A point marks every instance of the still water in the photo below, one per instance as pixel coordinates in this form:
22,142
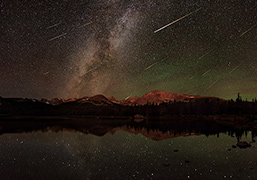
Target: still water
125,151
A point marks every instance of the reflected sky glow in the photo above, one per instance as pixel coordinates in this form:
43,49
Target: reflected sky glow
74,155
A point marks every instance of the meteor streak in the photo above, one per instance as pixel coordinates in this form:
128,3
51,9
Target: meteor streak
253,67
57,37
94,68
234,68
150,66
247,30
128,97
54,25
176,21
86,24
212,85
230,87
192,77
206,54
206,72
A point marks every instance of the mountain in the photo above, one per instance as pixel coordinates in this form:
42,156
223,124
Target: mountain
155,103
157,97
98,100
57,101
153,97
112,99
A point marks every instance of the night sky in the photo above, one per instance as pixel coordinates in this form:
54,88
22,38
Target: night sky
64,48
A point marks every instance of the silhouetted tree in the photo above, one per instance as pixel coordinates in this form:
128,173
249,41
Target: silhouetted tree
239,98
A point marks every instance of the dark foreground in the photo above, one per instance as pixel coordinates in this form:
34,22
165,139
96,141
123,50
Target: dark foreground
95,148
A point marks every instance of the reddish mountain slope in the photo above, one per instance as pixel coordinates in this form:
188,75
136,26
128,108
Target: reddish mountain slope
153,97
96,100
156,97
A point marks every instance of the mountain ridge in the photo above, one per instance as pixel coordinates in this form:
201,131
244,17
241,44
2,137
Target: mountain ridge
158,97
154,103
152,97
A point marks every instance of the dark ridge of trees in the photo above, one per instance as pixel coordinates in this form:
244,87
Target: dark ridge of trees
201,106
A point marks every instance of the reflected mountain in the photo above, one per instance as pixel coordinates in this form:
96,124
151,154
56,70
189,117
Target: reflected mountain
152,129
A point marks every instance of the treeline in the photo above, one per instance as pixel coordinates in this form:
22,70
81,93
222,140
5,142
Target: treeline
201,106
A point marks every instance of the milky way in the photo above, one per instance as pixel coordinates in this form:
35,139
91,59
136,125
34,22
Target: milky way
101,64
80,48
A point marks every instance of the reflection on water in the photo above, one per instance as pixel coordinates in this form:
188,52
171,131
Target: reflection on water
123,149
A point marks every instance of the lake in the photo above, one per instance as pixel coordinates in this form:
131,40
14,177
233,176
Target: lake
124,149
